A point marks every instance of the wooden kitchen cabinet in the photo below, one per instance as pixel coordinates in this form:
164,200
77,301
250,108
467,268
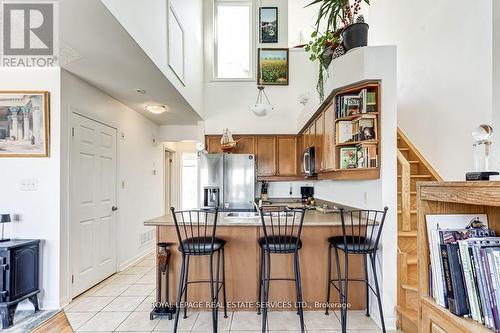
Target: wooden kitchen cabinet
328,154
213,144
265,153
287,155
246,144
318,141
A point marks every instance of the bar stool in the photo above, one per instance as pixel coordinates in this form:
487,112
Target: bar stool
196,233
361,230
282,228
162,307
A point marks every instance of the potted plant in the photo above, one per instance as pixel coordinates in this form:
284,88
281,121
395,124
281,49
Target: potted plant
344,15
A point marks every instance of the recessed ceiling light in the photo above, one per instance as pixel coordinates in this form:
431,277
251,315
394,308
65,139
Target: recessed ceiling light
140,91
157,109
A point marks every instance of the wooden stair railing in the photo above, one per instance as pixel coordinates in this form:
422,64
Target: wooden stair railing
412,168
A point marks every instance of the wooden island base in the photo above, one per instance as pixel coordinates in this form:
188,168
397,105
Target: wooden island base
242,270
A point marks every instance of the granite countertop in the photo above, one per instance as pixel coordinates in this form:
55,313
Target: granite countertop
311,218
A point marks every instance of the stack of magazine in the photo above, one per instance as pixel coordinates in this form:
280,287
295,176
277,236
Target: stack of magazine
465,266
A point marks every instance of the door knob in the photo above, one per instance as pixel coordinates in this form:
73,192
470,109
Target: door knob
114,208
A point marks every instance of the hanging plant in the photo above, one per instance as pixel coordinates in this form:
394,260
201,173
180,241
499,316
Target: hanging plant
322,48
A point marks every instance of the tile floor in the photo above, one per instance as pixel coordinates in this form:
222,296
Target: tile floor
122,303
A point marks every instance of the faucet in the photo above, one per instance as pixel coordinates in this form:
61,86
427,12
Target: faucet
257,207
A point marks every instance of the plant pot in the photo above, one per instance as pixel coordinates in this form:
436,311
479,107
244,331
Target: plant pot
326,57
355,35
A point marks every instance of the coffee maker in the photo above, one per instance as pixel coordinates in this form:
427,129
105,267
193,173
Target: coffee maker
306,192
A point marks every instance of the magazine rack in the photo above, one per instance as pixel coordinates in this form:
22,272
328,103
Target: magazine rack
450,198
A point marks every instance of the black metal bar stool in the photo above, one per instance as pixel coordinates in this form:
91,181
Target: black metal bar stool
361,230
196,233
163,307
282,229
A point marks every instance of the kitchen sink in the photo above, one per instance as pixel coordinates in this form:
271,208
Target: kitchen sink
242,215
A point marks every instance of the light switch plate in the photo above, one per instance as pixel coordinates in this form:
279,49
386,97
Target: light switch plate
29,184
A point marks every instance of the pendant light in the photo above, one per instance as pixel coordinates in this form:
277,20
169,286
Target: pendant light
261,106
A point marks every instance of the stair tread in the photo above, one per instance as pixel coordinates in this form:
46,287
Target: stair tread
404,149
418,176
407,233
412,260
413,211
411,192
409,287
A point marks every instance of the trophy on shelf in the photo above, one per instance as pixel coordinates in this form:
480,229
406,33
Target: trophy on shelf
481,149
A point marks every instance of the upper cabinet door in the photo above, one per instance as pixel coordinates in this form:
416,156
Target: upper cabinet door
318,141
329,138
246,145
265,151
213,144
287,156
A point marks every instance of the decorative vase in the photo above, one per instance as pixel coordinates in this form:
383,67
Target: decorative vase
355,35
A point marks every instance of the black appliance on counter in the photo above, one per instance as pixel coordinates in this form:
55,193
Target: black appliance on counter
306,192
19,267
308,160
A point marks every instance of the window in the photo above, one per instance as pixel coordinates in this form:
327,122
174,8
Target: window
233,40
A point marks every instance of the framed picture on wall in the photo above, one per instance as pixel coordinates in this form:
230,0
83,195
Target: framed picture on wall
24,124
268,24
273,67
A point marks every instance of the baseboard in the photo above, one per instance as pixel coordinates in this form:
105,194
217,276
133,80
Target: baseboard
389,320
132,261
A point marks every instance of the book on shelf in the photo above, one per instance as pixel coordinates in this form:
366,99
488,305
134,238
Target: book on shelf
344,131
360,156
465,266
352,104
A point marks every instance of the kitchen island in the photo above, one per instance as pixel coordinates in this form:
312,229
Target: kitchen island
242,264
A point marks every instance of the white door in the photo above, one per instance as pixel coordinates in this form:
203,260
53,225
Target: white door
93,203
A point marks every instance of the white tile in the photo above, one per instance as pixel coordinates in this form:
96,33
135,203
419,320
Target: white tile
357,320
204,322
125,279
90,304
77,319
138,321
139,290
186,325
123,303
246,321
111,290
147,279
146,263
136,270
147,304
317,320
283,320
104,321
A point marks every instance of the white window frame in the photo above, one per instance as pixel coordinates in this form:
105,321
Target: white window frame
252,48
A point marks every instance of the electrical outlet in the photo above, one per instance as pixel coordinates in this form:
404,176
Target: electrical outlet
122,135
123,184
29,184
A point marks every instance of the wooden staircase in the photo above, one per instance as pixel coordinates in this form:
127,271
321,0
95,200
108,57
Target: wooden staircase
412,168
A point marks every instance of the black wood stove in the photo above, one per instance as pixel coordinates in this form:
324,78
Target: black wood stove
19,267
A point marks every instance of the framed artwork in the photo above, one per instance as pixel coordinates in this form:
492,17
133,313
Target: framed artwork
24,124
175,44
273,67
268,24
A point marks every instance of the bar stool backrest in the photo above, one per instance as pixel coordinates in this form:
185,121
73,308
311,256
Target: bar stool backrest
196,225
283,227
361,229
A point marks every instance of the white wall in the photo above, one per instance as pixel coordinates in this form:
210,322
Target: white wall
444,74
39,210
142,197
282,189
182,133
146,22
496,83
227,103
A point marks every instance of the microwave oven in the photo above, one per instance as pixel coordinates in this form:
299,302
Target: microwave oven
308,163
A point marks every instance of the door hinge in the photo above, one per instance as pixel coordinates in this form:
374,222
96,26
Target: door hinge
72,278
72,131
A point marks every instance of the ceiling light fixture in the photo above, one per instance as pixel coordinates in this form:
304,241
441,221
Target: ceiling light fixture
261,107
140,91
156,109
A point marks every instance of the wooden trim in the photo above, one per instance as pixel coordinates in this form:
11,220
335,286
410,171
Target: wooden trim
405,192
56,324
420,156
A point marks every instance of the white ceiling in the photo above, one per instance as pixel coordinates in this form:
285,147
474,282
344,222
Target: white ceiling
95,47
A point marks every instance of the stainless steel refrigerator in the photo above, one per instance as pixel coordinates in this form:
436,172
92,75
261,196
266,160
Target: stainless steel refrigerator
227,181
